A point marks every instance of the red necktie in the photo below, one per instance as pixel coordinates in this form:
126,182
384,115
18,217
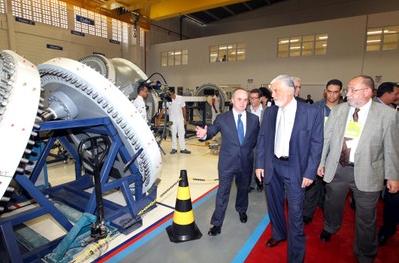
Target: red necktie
345,152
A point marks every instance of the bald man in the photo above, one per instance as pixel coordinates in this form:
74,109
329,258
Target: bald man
361,149
239,130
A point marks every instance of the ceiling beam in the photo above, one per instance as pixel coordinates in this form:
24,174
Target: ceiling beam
247,6
229,10
171,8
215,17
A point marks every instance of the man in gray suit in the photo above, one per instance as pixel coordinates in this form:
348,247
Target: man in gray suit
361,149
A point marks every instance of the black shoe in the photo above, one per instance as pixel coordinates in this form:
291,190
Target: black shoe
251,189
214,231
243,217
325,236
259,188
173,151
307,220
272,242
185,151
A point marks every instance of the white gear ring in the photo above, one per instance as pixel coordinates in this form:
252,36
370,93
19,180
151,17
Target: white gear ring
19,103
96,96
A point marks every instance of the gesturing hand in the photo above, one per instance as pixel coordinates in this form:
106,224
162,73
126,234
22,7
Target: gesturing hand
201,132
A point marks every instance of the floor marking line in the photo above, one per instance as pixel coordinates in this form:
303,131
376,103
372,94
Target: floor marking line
130,245
251,241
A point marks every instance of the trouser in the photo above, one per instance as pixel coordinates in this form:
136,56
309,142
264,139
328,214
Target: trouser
242,181
254,180
284,184
365,244
177,128
391,213
314,196
214,114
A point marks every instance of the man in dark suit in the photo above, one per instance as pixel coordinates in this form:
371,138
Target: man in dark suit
287,156
239,130
388,94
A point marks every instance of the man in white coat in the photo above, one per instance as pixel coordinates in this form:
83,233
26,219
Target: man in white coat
177,115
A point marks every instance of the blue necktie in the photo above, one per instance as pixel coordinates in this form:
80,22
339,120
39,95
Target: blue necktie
240,129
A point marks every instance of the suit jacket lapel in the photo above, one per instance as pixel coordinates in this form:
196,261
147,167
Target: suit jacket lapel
232,124
248,125
299,115
273,117
368,126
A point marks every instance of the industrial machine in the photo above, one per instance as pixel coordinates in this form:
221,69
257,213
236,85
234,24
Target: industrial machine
125,75
79,106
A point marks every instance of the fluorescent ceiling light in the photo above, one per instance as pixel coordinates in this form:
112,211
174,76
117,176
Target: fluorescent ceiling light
323,37
376,32
284,42
374,41
295,47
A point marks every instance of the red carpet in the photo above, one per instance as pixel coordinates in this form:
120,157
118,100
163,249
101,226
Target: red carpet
339,249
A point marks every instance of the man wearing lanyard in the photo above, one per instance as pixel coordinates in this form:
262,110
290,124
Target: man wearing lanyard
314,194
361,149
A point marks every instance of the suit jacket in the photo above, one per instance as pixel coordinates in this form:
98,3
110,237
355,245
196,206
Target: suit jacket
306,141
377,153
232,155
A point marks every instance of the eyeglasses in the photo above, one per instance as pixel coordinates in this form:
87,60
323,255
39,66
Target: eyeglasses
353,90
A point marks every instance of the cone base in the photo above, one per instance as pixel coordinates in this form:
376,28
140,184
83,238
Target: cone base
195,234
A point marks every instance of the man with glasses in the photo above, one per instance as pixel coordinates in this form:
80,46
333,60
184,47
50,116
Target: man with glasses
314,194
361,149
256,108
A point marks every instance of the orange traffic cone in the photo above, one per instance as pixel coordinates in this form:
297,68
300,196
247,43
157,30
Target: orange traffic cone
183,227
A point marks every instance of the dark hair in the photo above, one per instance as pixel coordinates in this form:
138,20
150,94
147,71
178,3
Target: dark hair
257,91
172,90
367,81
141,88
265,93
336,82
385,87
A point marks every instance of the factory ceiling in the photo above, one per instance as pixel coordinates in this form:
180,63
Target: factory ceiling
205,11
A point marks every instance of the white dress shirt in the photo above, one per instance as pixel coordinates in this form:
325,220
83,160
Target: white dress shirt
352,144
257,112
175,108
140,105
243,119
284,124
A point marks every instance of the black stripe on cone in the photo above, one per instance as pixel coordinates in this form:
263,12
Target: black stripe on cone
181,233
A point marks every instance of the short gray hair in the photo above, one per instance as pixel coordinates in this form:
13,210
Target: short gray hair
296,79
286,80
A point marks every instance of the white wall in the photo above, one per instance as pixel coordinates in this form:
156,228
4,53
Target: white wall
291,12
345,57
30,41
